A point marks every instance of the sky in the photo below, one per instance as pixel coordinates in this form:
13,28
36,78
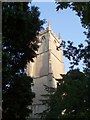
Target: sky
63,22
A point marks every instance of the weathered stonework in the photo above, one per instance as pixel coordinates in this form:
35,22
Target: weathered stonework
47,66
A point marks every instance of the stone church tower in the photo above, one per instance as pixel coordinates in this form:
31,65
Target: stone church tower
48,65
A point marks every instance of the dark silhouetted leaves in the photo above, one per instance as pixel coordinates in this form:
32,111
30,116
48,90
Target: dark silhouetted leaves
21,26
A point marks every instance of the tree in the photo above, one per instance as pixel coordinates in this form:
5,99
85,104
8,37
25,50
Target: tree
48,102
21,25
76,54
73,92
82,9
71,100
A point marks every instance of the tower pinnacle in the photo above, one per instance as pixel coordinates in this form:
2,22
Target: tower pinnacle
48,24
59,36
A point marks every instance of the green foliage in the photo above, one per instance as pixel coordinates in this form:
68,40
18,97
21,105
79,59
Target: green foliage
47,100
75,54
17,97
82,9
21,25
70,100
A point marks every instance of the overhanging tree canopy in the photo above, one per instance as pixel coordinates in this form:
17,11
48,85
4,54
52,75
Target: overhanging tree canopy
21,25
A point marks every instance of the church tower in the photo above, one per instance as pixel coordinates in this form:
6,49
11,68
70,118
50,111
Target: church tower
47,66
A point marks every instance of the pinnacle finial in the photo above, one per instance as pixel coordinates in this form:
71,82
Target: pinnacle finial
59,36
49,24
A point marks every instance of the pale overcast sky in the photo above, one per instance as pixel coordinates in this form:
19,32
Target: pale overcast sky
64,22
